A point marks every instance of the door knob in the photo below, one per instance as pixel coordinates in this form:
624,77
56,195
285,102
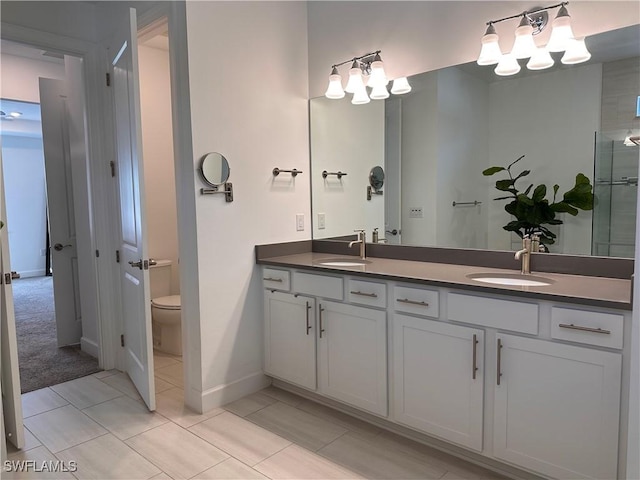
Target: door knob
58,246
136,264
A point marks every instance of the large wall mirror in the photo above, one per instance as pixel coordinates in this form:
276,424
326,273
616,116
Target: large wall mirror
435,142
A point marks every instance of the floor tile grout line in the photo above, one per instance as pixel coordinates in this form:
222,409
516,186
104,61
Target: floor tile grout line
223,460
230,455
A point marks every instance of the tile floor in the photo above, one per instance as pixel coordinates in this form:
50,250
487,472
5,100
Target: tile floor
100,423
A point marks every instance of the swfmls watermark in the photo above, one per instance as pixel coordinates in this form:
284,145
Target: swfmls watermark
52,466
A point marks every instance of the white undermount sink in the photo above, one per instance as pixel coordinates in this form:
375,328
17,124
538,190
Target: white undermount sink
516,279
342,262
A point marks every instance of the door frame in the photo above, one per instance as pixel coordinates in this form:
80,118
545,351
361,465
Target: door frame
104,236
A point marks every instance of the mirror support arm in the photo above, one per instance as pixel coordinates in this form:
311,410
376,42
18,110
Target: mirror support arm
371,192
227,192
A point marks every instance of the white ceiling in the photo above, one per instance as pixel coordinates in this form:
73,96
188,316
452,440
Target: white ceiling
20,50
27,125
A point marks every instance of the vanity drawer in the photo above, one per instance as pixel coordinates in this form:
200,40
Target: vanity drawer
318,285
416,300
490,312
367,293
276,279
593,328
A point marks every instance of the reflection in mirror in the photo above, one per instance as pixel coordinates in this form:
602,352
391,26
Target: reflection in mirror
435,142
214,169
376,178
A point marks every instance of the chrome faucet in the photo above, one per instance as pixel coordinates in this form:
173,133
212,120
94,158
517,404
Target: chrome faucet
525,253
361,240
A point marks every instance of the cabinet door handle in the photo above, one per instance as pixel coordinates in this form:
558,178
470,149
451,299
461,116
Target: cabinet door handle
412,302
308,324
571,326
372,295
475,353
320,310
269,279
499,355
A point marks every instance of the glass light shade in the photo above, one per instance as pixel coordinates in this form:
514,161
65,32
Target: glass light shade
400,86
630,140
490,53
379,92
540,59
576,52
561,33
378,77
355,80
334,90
360,96
524,46
508,65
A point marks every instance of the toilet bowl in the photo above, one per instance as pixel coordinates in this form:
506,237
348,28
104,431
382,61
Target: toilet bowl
166,324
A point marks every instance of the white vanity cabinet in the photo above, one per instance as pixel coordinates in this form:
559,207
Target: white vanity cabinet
528,382
438,379
352,355
556,408
289,332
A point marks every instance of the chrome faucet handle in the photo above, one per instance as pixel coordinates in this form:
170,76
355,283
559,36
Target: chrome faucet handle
361,233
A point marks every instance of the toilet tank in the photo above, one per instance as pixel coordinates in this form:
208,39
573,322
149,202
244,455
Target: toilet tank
160,277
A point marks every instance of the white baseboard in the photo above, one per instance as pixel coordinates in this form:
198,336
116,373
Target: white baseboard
32,273
90,347
218,396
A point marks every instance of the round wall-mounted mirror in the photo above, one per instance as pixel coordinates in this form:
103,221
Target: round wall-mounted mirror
214,169
376,178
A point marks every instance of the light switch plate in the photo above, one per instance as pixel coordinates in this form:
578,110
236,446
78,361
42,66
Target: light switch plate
321,221
300,222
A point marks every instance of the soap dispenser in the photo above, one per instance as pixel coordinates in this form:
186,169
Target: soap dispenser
374,237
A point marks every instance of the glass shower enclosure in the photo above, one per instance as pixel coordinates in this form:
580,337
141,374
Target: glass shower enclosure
615,190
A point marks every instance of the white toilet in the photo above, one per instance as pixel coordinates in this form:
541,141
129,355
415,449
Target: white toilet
165,310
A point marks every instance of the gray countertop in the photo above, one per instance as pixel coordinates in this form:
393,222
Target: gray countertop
585,290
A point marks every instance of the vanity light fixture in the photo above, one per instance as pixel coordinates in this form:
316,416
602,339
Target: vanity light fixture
400,86
335,90
366,71
532,22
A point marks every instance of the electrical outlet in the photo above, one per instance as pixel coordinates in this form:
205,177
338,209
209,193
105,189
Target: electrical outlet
415,212
321,221
300,222
43,252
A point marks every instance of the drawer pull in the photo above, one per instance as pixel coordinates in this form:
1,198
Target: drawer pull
372,295
269,279
413,302
474,367
571,326
320,310
499,358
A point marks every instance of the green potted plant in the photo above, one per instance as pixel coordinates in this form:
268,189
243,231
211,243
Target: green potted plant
532,210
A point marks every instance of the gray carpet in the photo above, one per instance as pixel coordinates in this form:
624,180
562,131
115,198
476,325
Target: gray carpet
41,362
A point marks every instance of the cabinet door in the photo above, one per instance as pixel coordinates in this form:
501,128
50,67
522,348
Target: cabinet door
438,379
352,360
557,408
290,343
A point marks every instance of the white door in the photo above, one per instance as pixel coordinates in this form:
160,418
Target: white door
352,360
290,342
10,379
64,256
557,408
134,260
438,379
